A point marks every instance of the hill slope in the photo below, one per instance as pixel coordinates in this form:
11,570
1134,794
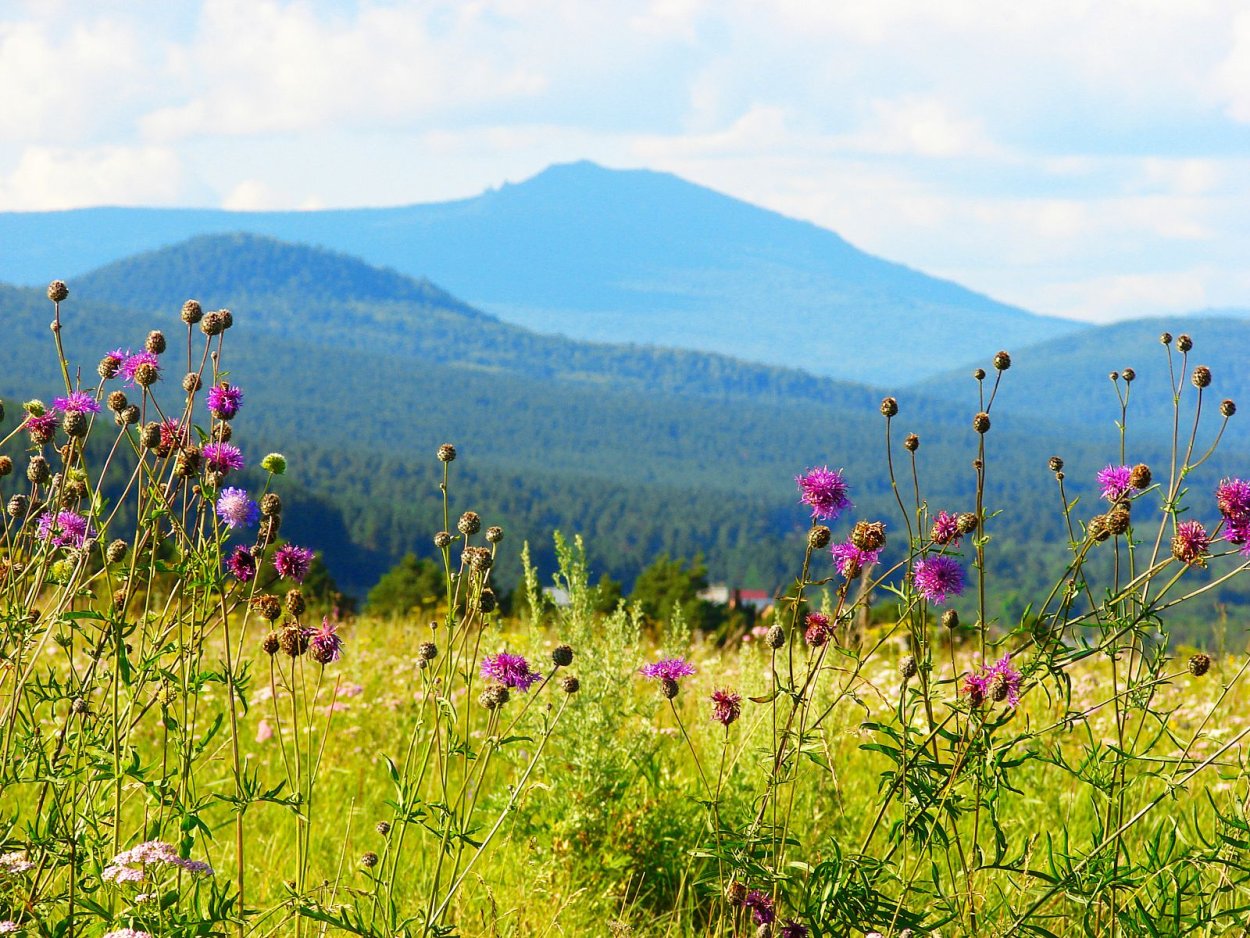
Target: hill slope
608,255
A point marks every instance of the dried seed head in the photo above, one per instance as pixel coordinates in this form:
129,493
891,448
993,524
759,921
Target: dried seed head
487,602
1201,377
80,707
494,697
271,504
907,667
1098,529
1166,338
819,537
570,684
494,534
191,382
74,423
6,465
868,535
128,417
155,342
736,893
369,860
1129,375
1184,343
669,688
1227,408
950,619
294,601
981,422
889,407
270,643
1002,361
1114,376
383,828
192,312
562,655
1139,477
911,442
119,598
267,606
967,522
1056,464
37,470
292,639
146,375
979,374
188,462
108,367
212,323
222,432
117,402
470,523
446,453
17,506
267,530
1199,664
116,551
57,291
478,559
1118,521
442,539
776,637
427,651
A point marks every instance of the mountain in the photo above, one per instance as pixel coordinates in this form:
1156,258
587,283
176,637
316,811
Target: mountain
607,255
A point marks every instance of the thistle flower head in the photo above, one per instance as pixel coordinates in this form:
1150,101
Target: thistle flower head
1191,543
1116,482
292,562
999,681
761,906
64,529
235,509
325,644
132,362
41,427
242,564
851,560
1232,496
818,629
938,578
224,400
727,706
945,530
670,669
825,491
222,457
78,402
510,671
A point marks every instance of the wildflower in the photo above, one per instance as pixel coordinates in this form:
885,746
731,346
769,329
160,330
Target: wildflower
9,927
818,629
1191,543
793,929
825,491
64,529
761,906
562,655
325,643
670,669
76,402
264,732
15,862
1199,664
126,933
937,578
945,530
41,427
1232,496
132,866
234,508
510,671
173,435
851,560
274,463
132,363
292,562
1237,531
224,400
242,564
1000,681
1116,482
728,706
222,457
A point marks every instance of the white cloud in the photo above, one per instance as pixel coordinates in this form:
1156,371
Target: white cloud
57,177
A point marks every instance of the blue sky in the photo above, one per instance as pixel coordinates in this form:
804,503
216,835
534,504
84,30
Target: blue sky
1086,158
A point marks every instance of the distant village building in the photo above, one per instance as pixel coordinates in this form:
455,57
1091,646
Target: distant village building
723,595
557,597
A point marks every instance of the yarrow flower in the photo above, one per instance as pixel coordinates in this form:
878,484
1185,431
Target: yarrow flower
222,457
132,362
224,400
727,706
1000,681
938,578
64,529
15,862
324,643
126,933
818,629
9,927
510,670
292,562
134,865
242,564
761,906
235,509
851,560
1191,543
78,402
42,427
1115,482
669,669
945,531
825,491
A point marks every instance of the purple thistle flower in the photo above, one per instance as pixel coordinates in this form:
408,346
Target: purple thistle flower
937,578
818,629
64,529
510,671
825,491
131,362
222,457
1233,498
325,644
669,669
999,681
242,564
728,706
79,402
235,509
224,400
173,436
1115,482
851,560
761,906
292,562
1191,543
1237,531
42,427
793,929
945,530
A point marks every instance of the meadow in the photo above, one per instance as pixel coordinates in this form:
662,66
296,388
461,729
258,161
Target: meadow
192,746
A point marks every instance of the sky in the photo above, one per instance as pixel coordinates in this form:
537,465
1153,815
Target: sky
1083,158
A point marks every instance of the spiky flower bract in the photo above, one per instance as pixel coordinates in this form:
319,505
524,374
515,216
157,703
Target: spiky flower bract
761,906
42,427
510,671
292,562
825,491
235,509
1116,481
938,578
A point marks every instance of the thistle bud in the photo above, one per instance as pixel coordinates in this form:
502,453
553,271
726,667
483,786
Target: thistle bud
570,684
446,453
950,619
562,655
369,860
889,407
1166,338
1129,375
494,697
981,422
1199,664
191,382
967,522
57,291
1118,521
271,504
1201,377
776,637
129,417
155,342
292,639
37,470
6,465
17,506
1227,408
294,602
1002,361
1184,343
427,651
212,324
669,687
1056,464
1139,478
486,602
270,643
868,535
470,523
267,606
907,667
819,537
1098,529
494,534
74,423
116,551
192,312
146,375
383,828
117,402
274,464
911,442
442,539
